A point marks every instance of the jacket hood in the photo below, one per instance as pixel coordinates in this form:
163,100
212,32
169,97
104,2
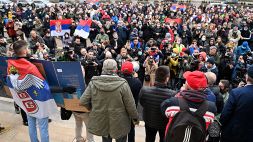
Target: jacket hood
214,66
107,83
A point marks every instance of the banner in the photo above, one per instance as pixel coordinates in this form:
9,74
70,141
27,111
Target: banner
177,20
60,27
41,75
83,28
58,74
29,88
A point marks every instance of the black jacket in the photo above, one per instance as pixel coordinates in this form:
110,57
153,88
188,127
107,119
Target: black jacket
147,32
151,99
135,86
219,98
50,42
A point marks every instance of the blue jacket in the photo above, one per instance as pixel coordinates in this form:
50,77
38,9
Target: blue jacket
240,50
210,95
237,115
115,19
132,45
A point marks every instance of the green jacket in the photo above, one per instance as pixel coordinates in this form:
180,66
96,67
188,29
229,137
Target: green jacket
101,38
111,106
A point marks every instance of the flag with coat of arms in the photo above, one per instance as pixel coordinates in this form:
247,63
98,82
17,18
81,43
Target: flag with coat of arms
60,27
29,88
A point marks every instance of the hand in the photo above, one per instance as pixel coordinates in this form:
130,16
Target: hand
113,51
241,84
183,88
136,121
69,89
95,64
231,66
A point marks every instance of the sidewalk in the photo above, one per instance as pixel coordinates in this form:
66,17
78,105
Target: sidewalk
59,130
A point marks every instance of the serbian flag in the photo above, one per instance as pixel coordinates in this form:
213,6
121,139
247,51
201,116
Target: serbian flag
174,7
60,27
83,28
177,20
29,88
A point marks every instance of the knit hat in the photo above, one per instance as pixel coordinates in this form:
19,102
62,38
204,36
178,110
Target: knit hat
210,60
245,44
213,47
127,68
109,66
196,80
136,66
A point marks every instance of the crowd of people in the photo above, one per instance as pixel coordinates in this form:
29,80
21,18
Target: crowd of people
163,54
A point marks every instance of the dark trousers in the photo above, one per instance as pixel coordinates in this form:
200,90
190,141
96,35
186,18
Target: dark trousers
131,134
109,139
151,134
24,116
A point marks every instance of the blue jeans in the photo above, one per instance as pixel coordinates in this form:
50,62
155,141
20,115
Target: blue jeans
43,126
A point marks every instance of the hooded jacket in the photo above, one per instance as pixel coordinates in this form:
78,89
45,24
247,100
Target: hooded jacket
214,69
111,106
243,49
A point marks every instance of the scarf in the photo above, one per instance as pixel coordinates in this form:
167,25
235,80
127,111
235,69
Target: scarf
193,95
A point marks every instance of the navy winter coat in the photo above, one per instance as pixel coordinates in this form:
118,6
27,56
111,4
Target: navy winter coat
237,116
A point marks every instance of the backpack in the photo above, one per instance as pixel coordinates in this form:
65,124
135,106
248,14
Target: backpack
187,126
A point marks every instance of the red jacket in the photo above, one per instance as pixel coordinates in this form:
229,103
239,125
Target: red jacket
106,17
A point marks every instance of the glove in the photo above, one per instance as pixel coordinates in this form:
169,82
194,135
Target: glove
69,89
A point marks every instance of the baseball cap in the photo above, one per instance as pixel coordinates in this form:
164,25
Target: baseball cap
250,71
127,68
196,80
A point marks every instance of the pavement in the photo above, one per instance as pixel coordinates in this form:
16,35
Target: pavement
59,130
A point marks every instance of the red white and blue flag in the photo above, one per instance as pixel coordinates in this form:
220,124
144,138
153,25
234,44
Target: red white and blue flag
83,28
177,20
29,88
174,7
60,27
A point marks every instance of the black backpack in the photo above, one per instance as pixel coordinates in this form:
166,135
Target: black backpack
187,126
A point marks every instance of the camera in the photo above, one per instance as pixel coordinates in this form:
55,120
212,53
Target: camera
150,60
153,49
180,58
90,62
234,35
